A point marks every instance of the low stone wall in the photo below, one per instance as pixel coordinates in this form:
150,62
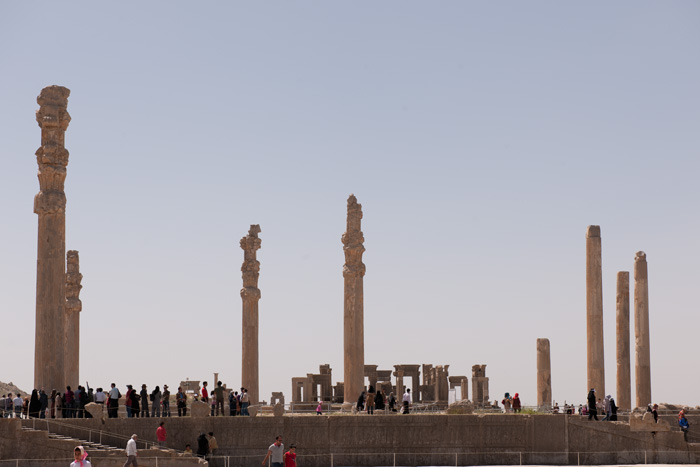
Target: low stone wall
364,440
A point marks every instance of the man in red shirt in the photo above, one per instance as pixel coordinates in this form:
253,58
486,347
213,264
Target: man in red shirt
161,434
205,393
290,457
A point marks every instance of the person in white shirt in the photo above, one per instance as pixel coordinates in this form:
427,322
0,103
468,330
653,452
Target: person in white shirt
406,400
80,458
17,401
131,452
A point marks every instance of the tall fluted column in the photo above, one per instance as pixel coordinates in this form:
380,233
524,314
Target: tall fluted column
594,309
642,367
250,295
544,374
74,306
50,205
624,391
353,272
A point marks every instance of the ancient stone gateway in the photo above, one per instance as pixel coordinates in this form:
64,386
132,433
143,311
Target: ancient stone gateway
250,294
642,367
594,310
480,386
50,205
353,309
72,324
622,319
544,375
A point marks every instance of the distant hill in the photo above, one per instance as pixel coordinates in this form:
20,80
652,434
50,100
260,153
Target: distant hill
9,387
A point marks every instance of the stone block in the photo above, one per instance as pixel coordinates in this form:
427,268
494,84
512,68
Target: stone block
200,409
95,410
646,423
278,410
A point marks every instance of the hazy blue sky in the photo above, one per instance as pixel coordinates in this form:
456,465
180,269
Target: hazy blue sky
480,138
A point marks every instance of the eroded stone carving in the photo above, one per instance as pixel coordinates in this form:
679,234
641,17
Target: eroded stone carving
50,204
250,294
73,308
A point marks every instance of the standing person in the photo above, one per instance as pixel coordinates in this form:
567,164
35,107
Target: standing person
232,403
606,407
507,402
166,401
161,435
406,400
181,401
17,402
655,413
205,392
275,453
202,446
392,402
213,446
379,400
135,406
245,401
290,457
613,410
69,411
113,408
592,410
219,394
127,400
34,405
43,404
144,402
212,403
319,410
155,401
52,399
370,400
361,402
517,406
683,423
58,400
80,457
131,452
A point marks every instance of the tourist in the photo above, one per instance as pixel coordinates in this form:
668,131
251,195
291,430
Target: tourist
361,402
275,453
555,409
392,402
655,412
683,423
144,401
113,401
406,400
80,457
205,393
181,401
245,402
100,396
507,402
69,406
606,407
131,452
155,402
43,403
128,399
3,409
379,403
166,401
135,405
213,445
613,410
212,403
161,435
188,449
7,406
592,410
34,405
202,446
58,403
319,407
77,396
232,403
17,403
600,407
370,400
219,394
517,406
290,457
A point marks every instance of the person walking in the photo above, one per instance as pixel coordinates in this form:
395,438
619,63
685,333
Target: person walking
144,401
275,453
290,457
161,435
592,410
319,408
131,452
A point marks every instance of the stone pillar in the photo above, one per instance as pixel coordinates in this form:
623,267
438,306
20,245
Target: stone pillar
642,367
465,389
250,294
624,391
73,307
544,374
353,316
399,384
594,310
50,205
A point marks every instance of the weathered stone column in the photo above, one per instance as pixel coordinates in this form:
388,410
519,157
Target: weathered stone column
624,391
353,272
399,385
642,367
465,389
73,307
594,310
250,294
544,374
50,205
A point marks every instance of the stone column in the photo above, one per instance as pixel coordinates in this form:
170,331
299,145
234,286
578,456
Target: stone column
624,391
594,309
50,205
544,374
642,367
465,389
353,272
399,385
250,294
73,307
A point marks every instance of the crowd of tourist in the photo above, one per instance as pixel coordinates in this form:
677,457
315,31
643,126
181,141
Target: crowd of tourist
142,403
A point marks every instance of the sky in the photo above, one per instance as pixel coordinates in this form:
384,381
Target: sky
481,139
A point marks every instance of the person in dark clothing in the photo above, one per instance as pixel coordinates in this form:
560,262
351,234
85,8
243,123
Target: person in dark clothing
655,413
202,445
135,406
613,410
361,402
379,400
592,410
43,404
392,402
34,405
